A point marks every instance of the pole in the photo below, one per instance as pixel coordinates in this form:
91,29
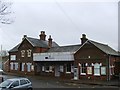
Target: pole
1,57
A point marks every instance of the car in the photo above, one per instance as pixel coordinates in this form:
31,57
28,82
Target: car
16,83
1,71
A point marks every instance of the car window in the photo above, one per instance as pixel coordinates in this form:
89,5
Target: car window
15,84
22,82
5,83
27,81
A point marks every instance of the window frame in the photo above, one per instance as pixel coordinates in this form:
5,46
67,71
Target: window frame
83,69
97,69
29,53
68,68
22,53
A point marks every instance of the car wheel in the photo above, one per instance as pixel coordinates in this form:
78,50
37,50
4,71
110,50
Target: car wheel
29,89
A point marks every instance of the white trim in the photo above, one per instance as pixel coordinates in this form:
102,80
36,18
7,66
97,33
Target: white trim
68,72
82,73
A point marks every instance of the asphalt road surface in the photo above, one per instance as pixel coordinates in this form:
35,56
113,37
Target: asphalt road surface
46,83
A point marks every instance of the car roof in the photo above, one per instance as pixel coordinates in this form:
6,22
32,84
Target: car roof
14,79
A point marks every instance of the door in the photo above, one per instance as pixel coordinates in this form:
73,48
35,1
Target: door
57,71
75,73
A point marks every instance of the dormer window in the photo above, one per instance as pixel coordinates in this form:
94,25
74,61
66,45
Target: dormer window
23,53
29,53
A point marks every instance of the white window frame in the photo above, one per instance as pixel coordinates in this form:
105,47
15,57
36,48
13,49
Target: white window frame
11,65
43,68
32,67
29,52
97,69
103,70
12,57
16,66
61,68
67,69
81,69
46,69
22,53
29,67
50,68
23,66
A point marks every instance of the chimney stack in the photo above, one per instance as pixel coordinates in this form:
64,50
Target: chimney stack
42,35
83,39
24,36
50,41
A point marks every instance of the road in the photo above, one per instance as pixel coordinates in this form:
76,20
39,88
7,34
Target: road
46,83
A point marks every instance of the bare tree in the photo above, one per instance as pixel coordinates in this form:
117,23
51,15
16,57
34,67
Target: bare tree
5,11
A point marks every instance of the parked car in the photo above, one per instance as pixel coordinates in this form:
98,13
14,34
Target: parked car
16,83
1,71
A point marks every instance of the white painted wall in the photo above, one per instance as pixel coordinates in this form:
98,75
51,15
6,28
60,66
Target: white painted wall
54,56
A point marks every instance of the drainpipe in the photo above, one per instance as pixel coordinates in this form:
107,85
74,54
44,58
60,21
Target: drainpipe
108,78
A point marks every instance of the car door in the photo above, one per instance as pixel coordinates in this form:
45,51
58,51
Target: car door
23,83
14,85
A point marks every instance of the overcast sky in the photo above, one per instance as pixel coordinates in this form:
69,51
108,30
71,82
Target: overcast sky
64,20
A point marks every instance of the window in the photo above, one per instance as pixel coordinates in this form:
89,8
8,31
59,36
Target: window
43,68
12,57
68,68
27,81
97,69
22,82
32,67
61,68
51,68
11,65
89,68
83,69
15,84
23,64
23,53
16,66
28,67
103,70
29,53
47,69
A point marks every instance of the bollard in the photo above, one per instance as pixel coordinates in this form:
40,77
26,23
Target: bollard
119,80
1,79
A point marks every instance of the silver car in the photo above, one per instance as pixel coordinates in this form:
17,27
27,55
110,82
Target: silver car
16,83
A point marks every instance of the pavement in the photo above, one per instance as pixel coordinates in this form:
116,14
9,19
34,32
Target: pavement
114,82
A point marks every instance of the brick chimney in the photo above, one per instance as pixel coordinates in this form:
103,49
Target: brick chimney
24,36
42,35
83,39
50,42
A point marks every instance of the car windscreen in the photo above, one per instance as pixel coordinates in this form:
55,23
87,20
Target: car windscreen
5,84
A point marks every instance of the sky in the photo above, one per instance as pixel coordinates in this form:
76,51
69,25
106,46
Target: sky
64,20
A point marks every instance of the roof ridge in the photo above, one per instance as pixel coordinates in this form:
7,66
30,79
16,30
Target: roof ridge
99,43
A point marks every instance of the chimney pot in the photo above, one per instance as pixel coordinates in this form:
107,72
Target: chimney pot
50,41
42,35
83,39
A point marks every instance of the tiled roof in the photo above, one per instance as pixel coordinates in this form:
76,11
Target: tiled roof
70,48
105,48
35,43
15,48
40,43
